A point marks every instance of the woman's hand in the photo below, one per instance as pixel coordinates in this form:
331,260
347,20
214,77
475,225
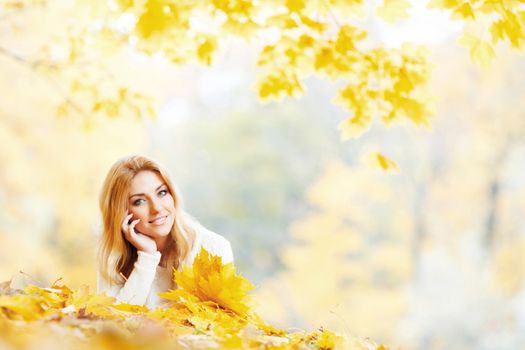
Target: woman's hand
139,240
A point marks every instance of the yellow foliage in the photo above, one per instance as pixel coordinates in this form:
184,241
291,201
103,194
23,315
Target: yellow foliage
329,340
157,16
210,309
362,256
25,307
390,83
295,5
355,126
380,161
394,10
481,52
501,20
464,11
209,280
206,49
278,84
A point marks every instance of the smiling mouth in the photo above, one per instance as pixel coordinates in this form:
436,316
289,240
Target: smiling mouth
159,221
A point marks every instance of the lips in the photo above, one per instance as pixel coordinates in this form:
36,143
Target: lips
159,221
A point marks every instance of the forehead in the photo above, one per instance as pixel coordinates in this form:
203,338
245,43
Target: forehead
145,181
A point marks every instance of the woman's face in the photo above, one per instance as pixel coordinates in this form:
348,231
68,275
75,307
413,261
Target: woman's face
152,203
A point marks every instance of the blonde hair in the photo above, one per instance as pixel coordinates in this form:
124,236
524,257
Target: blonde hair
116,255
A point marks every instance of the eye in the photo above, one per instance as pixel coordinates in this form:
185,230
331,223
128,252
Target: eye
138,201
162,193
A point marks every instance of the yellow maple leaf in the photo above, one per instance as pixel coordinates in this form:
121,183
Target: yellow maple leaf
19,306
511,27
351,96
324,58
211,281
97,304
416,110
463,11
50,297
295,5
497,30
206,49
313,24
130,308
379,161
305,42
394,10
347,37
355,126
329,340
154,19
481,52
276,85
443,4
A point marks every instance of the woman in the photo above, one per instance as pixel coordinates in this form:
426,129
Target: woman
146,233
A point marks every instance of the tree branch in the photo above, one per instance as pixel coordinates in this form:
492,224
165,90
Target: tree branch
33,67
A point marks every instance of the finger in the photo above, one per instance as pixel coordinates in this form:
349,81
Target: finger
132,226
125,222
129,232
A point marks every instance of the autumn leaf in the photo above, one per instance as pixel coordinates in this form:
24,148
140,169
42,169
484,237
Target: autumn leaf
209,280
394,10
379,161
276,85
295,5
464,11
211,309
329,340
5,287
25,307
481,52
206,49
355,126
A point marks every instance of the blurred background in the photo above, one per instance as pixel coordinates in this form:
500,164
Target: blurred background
430,258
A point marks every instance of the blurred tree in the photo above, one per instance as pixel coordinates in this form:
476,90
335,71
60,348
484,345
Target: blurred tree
49,181
61,51
351,257
454,285
261,167
472,213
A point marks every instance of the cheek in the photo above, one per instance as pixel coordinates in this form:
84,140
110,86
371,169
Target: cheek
138,213
168,202
141,226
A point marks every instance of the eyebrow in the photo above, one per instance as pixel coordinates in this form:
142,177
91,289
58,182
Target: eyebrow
142,194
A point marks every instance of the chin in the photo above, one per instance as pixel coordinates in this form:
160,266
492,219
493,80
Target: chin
159,232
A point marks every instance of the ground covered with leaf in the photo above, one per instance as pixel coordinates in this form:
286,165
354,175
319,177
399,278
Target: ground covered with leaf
211,308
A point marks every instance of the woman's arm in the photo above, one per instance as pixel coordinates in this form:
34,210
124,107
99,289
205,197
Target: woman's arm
138,285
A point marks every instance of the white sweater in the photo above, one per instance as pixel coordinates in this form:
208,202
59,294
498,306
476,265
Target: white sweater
148,278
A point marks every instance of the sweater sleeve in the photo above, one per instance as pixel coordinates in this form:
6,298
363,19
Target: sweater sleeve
138,285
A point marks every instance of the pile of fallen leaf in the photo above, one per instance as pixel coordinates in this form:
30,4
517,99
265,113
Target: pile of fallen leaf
211,308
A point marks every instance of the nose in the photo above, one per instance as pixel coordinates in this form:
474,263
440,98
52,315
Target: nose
155,206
